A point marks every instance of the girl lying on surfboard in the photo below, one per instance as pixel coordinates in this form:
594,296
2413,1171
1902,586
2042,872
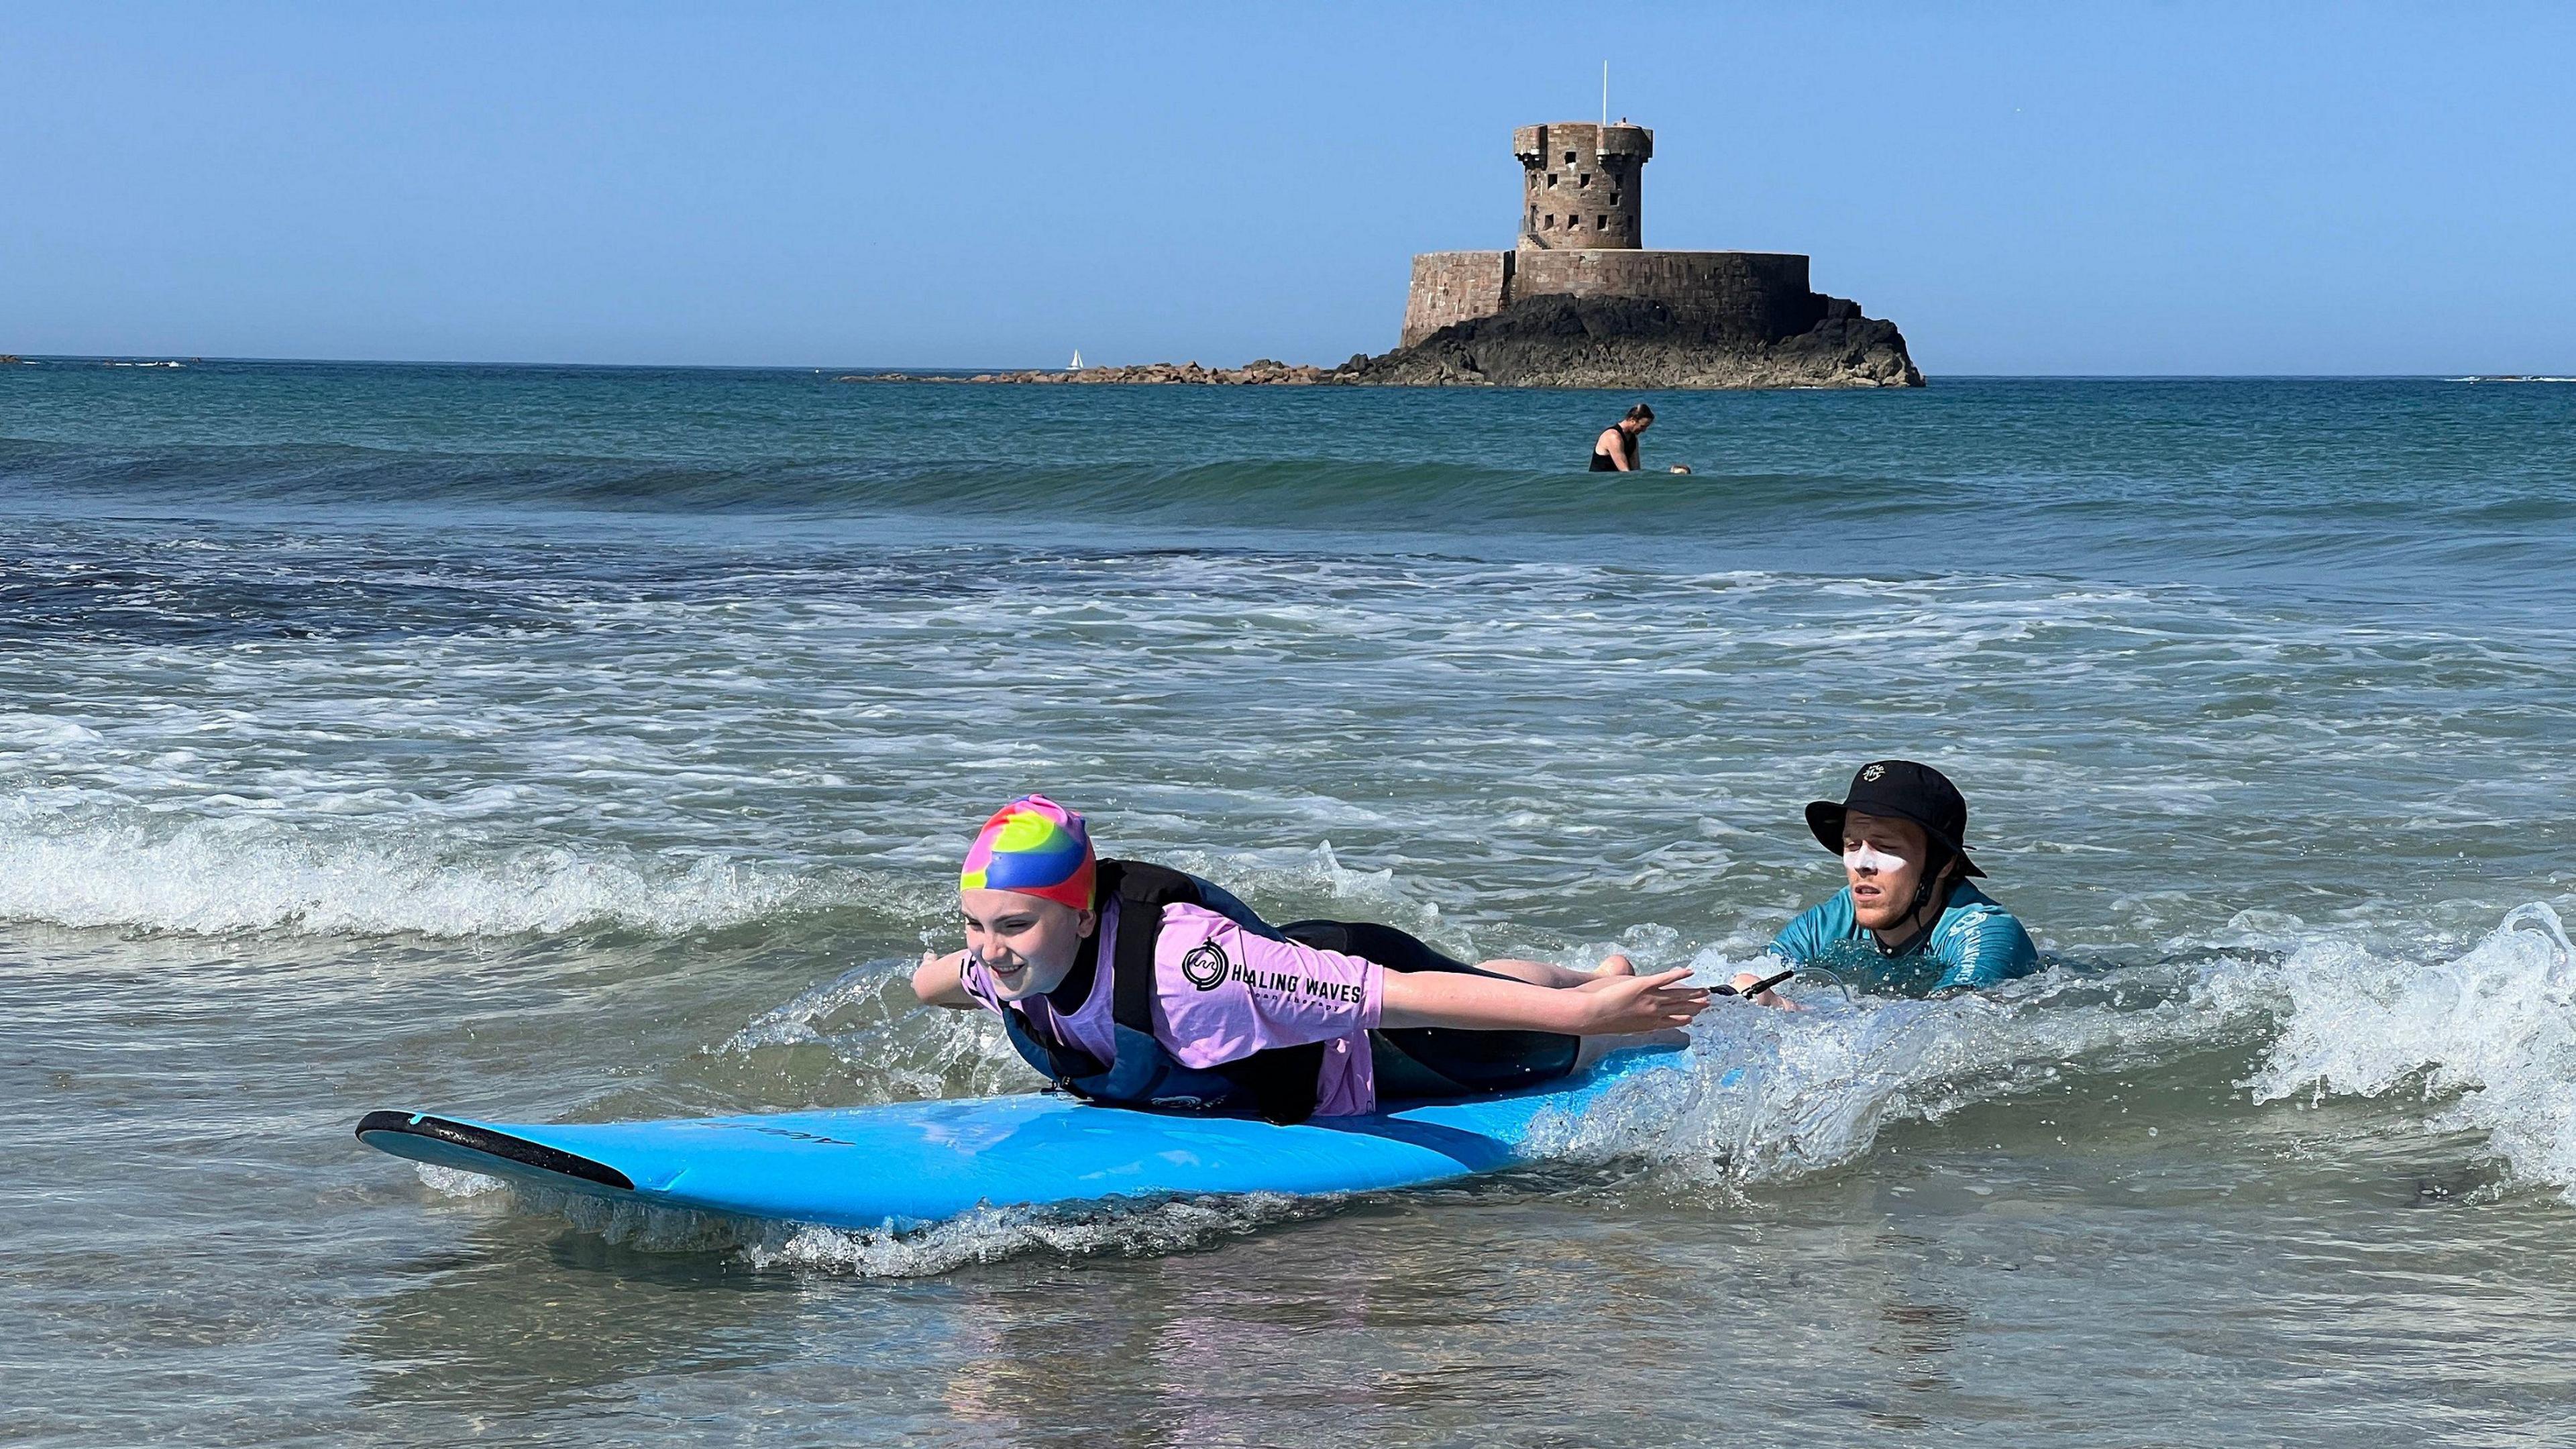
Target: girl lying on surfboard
1139,986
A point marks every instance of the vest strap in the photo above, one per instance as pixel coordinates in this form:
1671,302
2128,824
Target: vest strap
1279,1083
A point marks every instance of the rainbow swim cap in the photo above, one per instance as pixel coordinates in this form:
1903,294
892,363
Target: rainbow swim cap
1036,847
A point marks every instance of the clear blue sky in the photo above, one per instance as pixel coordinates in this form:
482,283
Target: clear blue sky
2051,188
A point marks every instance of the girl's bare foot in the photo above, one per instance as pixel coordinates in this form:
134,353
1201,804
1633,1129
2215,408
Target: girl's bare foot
1613,967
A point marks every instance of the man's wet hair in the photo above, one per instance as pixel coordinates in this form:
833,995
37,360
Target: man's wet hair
1639,414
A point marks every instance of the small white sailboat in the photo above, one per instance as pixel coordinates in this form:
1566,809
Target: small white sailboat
1076,364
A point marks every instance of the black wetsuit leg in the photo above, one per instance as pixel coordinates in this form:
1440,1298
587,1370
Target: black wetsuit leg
1439,1061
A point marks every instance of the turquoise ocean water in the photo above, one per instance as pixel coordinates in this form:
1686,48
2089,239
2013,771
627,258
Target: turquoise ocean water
598,743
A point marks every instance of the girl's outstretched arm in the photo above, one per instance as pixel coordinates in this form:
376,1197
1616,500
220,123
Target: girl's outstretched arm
936,982
1615,1007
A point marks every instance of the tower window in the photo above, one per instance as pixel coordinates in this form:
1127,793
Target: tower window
1584,180
1569,158
1551,181
1614,198
1533,181
1551,221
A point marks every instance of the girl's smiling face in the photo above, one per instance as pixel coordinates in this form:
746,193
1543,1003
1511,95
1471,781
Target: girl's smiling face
1027,943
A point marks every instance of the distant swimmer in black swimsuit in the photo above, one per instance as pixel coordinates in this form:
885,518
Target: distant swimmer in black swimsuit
1615,451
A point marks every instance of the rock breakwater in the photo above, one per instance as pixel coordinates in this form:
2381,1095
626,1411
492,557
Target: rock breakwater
1263,371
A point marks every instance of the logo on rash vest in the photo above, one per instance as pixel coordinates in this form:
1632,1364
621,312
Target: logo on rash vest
1205,966
1289,985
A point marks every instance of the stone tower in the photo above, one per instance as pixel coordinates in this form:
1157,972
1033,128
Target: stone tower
1579,302
1582,235
1581,185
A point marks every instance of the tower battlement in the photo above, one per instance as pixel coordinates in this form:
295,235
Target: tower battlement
1581,186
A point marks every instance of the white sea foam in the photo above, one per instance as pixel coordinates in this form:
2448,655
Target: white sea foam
990,1235
213,877
456,1181
1120,1228
2490,1035
1479,741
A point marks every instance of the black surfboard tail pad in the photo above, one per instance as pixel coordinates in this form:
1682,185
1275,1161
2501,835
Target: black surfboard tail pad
410,1134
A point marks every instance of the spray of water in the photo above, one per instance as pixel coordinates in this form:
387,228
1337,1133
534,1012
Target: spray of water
2491,1036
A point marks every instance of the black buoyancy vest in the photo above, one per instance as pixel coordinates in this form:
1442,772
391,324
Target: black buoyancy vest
1627,445
1278,1084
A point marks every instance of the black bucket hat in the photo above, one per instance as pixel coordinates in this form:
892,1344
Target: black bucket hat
1903,790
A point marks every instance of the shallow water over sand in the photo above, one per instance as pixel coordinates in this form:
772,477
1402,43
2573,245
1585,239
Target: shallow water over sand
538,744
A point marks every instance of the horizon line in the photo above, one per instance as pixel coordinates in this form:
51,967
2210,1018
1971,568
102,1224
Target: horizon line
40,358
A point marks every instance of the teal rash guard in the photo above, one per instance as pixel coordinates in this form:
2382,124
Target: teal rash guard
1974,943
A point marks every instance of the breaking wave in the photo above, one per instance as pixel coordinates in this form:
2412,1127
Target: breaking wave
1771,1096
233,874
2490,1037
223,877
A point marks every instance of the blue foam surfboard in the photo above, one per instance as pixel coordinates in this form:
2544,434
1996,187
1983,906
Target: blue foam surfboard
916,1163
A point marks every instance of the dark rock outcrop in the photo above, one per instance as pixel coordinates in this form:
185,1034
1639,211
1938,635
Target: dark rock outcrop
1630,342
1561,341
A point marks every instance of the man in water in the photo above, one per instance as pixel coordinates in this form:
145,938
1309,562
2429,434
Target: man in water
1906,920
1615,451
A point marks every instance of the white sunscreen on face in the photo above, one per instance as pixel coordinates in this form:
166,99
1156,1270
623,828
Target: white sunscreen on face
1866,856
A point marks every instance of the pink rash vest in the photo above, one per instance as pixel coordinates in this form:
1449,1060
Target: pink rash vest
1221,994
